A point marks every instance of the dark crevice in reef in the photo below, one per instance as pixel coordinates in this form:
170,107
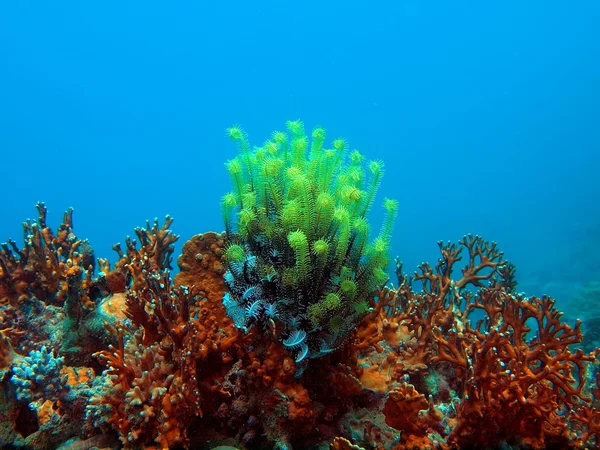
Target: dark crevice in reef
27,422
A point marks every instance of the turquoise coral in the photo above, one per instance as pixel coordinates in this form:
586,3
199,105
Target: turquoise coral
38,376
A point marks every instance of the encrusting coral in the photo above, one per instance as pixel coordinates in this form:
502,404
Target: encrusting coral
217,355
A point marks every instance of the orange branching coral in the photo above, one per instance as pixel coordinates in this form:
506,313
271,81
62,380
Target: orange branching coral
185,333
409,411
154,254
513,372
179,370
585,426
437,309
54,273
522,377
155,393
484,264
512,375
160,311
50,266
154,398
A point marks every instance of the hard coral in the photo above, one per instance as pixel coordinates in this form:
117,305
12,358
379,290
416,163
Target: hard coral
513,373
39,376
524,377
48,294
153,398
50,266
155,393
154,255
215,354
165,373
512,376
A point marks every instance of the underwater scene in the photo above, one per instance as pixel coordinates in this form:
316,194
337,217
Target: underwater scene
300,225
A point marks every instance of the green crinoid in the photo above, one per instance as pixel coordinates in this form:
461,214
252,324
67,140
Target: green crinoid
300,210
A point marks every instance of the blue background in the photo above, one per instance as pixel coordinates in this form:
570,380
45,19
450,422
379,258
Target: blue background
485,114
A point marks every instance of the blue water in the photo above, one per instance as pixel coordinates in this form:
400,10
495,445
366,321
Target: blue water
486,116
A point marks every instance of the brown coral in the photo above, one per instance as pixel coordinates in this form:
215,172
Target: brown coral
183,343
200,266
153,255
49,266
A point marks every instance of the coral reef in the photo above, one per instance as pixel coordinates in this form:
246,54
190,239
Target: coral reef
453,357
514,374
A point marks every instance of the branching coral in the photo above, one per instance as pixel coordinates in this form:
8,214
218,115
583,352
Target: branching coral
516,363
521,375
155,393
39,376
50,266
154,254
511,374
153,398
443,304
161,374
48,291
